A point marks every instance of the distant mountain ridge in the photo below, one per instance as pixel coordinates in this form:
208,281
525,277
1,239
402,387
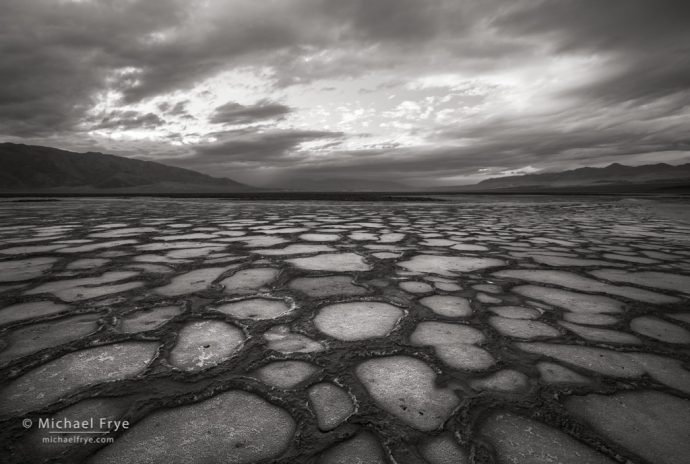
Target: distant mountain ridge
613,175
32,168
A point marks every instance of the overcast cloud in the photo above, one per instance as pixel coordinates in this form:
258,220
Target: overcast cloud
417,92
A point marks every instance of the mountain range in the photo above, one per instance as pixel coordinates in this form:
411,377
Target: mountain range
29,168
37,169
592,178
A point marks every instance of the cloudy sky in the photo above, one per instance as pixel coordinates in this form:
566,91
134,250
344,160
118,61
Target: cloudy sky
402,92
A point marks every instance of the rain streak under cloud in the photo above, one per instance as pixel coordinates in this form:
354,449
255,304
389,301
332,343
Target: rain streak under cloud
403,92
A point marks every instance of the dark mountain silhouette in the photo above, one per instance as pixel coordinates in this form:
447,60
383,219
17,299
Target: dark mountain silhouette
612,178
30,168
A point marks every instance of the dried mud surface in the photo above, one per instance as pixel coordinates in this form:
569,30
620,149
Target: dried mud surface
478,331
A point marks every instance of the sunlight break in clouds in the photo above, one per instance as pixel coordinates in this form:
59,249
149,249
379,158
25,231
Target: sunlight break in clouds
420,92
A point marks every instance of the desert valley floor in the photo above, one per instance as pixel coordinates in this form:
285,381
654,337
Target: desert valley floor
545,330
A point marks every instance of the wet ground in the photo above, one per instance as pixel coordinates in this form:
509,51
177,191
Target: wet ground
548,330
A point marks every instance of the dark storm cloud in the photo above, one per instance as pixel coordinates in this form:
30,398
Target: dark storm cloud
54,56
584,137
177,108
387,19
649,41
234,113
58,58
129,120
255,147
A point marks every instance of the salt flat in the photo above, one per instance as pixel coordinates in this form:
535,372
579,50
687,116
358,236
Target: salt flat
465,330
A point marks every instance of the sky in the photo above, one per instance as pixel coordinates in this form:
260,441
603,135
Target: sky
411,93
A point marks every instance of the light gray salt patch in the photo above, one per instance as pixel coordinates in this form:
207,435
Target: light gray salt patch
596,334
663,280
231,233
630,259
285,230
443,449
87,287
562,261
285,375
659,255
518,440
363,236
173,246
196,236
515,312
391,237
192,281
469,247
556,374
255,308
341,262
357,320
684,317
406,387
280,338
256,241
320,237
453,344
488,288
576,282
295,249
24,269
607,362
572,301
389,248
432,333
88,263
111,225
438,242
232,427
36,337
124,232
97,246
331,404
651,424
54,380
151,319
661,330
189,253
448,265
447,286
386,255
448,306
34,309
151,268
616,364
156,259
415,287
20,250
487,299
506,380
522,328
321,287
590,319
249,281
203,344
363,448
